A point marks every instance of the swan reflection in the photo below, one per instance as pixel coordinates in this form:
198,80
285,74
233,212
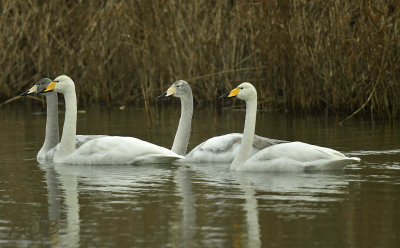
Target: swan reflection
63,184
291,195
188,205
70,187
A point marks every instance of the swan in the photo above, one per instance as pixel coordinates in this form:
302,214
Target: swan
51,138
290,156
103,150
219,149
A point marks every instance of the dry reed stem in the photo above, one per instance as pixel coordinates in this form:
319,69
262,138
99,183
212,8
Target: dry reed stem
18,97
370,95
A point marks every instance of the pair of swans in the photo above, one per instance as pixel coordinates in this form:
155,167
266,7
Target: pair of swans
247,151
88,149
51,138
99,149
219,149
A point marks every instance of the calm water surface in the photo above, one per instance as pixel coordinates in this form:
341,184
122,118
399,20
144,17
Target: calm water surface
46,205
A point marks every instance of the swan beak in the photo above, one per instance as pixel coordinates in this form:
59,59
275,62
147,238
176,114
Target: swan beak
161,96
232,93
30,91
50,87
171,91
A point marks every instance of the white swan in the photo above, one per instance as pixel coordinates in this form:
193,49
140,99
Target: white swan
219,149
51,138
292,156
103,150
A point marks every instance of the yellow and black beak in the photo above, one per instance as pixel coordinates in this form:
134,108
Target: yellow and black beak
232,93
49,87
171,91
30,91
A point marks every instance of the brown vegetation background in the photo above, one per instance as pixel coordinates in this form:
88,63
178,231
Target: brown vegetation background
301,55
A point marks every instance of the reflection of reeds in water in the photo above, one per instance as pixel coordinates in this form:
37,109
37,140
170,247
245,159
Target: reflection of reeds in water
301,55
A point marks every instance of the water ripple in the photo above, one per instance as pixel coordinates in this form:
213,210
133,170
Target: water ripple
378,152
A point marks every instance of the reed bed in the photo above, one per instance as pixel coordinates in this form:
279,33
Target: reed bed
303,56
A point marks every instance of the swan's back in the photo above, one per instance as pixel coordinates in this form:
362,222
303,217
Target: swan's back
118,150
297,156
222,149
82,139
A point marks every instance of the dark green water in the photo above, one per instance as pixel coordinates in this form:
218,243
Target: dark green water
45,205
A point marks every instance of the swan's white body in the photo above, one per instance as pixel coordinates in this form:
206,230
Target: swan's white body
291,156
219,149
103,149
296,156
117,150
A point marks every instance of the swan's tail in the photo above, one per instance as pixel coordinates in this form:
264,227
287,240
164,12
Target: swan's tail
354,159
332,164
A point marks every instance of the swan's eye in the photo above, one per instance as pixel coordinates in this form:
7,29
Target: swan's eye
241,88
57,81
177,86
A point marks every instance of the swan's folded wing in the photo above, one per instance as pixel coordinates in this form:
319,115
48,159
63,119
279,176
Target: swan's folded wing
295,156
222,149
118,150
82,139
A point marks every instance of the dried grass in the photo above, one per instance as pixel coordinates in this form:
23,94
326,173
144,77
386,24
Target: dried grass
301,55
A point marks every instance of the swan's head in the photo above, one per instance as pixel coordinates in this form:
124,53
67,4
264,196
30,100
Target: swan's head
38,87
245,91
61,84
178,89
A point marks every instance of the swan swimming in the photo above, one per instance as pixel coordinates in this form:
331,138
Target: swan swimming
103,150
219,149
291,156
51,138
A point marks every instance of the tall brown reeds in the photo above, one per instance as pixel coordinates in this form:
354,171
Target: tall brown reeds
301,55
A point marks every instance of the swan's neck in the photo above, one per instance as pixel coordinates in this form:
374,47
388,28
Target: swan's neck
182,135
67,144
51,138
248,134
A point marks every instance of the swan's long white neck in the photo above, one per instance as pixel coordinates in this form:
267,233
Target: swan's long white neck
51,138
182,135
248,134
67,144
